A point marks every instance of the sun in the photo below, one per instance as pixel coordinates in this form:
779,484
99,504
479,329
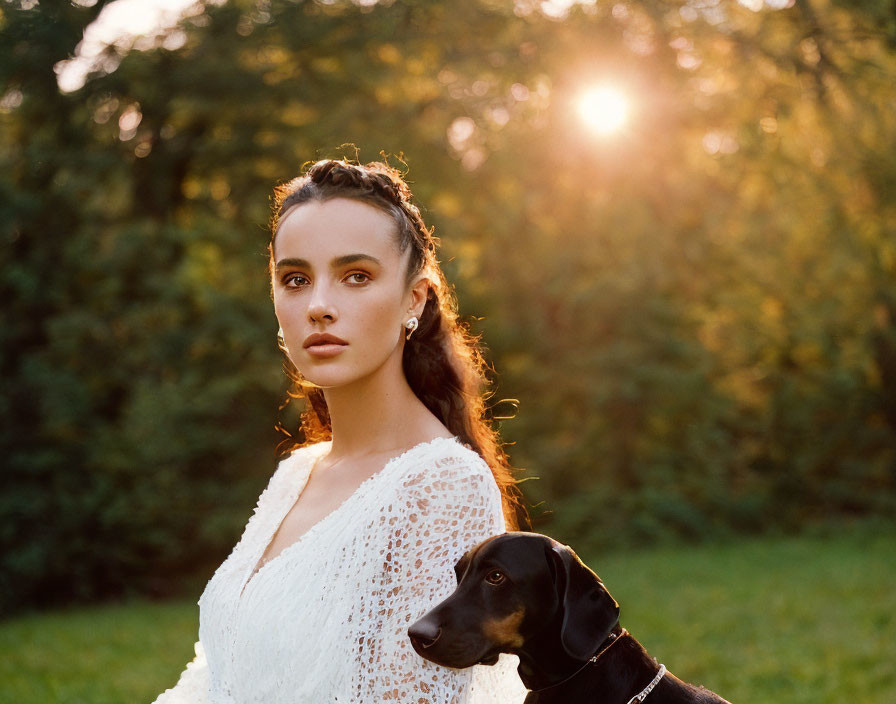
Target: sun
604,108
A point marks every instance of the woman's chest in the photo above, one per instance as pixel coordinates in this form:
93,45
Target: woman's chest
322,494
302,607
306,539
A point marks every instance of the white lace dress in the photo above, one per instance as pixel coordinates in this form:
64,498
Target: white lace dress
326,620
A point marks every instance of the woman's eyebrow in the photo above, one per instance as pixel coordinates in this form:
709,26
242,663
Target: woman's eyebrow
352,258
337,262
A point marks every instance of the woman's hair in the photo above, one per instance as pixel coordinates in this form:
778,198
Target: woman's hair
442,361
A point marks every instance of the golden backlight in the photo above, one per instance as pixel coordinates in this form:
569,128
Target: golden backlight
604,109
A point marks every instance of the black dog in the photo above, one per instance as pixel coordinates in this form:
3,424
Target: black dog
527,594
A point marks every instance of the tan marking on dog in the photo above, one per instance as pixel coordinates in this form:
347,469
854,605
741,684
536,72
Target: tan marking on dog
505,630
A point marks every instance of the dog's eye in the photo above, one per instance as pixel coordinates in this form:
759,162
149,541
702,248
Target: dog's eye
494,577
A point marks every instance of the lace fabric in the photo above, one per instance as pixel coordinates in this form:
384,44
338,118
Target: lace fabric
326,620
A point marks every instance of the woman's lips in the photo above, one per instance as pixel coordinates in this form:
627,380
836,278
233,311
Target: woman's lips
323,345
324,350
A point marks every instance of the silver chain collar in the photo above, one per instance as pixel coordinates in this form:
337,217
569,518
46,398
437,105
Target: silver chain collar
642,695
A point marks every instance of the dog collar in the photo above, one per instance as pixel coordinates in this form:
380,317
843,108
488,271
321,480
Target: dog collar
642,695
604,647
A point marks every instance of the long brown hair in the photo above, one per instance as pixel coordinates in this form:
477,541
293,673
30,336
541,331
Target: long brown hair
442,361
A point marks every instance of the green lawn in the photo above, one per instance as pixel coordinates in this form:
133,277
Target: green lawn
794,620
774,620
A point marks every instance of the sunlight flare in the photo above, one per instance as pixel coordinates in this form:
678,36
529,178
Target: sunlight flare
604,109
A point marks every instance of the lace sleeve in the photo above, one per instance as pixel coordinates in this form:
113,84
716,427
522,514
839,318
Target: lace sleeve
193,685
442,509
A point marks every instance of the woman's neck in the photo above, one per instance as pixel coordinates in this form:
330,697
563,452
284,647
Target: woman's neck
378,413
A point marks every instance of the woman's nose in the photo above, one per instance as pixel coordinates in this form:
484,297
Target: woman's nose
321,307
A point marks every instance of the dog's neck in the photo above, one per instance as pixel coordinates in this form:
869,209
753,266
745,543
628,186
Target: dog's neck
552,675
544,661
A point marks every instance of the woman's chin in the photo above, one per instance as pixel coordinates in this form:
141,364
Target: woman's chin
325,378
332,374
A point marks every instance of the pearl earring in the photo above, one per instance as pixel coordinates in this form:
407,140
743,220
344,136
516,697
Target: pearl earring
411,325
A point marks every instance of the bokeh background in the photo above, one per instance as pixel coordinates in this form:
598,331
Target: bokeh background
672,221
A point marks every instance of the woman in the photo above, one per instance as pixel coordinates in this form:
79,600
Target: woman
357,533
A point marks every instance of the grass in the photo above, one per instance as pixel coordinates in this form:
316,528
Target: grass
100,655
770,620
793,620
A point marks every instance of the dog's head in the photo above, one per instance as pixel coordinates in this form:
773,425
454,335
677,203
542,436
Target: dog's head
511,588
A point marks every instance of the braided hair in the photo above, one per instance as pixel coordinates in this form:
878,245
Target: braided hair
442,361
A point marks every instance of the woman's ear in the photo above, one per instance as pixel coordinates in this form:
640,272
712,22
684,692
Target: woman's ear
419,292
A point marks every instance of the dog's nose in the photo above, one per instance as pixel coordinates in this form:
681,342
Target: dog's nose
424,633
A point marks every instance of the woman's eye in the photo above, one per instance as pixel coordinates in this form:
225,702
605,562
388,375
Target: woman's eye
494,577
358,277
295,281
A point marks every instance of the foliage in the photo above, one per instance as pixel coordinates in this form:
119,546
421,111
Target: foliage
697,316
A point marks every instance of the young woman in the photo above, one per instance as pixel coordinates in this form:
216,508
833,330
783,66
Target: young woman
358,531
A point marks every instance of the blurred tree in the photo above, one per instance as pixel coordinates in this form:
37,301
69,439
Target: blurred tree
697,313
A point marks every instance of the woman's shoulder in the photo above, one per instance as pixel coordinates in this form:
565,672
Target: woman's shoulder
445,459
461,454
309,450
445,451
448,478
300,457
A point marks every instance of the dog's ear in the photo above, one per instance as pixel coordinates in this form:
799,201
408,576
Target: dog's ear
461,566
589,611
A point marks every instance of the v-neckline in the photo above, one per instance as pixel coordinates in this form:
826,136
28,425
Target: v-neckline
296,494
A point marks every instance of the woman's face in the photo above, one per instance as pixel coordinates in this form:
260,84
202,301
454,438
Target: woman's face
338,271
